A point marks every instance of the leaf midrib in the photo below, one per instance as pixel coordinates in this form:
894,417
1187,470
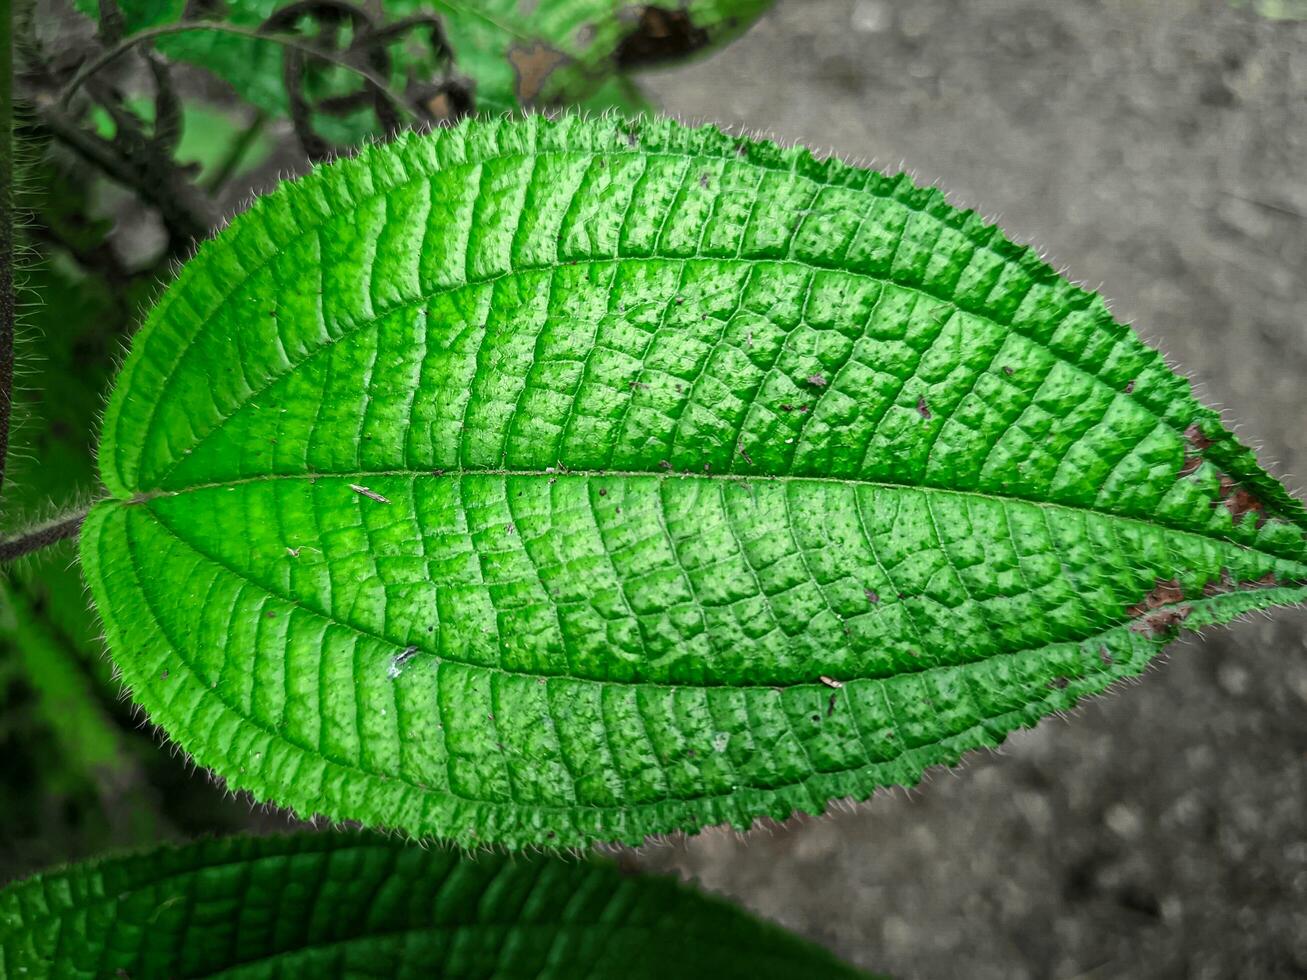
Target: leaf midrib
352,327
731,477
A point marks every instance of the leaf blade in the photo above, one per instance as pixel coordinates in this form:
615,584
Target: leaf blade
658,414
349,905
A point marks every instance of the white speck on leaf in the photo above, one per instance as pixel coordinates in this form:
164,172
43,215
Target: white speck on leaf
370,494
398,661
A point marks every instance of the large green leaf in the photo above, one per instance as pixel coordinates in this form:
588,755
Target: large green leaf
348,906
555,481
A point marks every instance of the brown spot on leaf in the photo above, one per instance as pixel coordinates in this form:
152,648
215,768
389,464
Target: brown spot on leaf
830,682
1008,371
1190,464
872,596
1059,683
1105,655
923,409
830,706
817,381
1130,386
1165,593
745,453
1196,437
1162,622
1240,502
1224,584
533,64
660,34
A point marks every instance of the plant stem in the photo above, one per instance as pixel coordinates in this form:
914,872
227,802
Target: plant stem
129,42
43,535
7,305
186,212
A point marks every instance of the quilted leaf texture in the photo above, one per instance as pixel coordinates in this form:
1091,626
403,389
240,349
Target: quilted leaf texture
542,482
329,905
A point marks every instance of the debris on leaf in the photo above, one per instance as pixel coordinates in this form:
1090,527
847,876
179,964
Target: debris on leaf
370,494
399,660
1164,593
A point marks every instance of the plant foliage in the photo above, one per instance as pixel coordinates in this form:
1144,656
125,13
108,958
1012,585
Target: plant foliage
342,905
544,482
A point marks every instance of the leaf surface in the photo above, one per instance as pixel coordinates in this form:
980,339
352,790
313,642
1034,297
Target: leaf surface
337,905
545,482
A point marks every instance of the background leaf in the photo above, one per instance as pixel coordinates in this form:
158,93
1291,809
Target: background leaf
341,905
555,54
544,482
515,55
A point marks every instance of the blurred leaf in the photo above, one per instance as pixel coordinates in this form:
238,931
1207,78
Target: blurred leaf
515,54
338,905
561,53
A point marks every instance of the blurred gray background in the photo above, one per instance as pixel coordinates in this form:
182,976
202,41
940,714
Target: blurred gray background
1159,149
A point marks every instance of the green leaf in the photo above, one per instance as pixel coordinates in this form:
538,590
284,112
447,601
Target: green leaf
544,482
329,905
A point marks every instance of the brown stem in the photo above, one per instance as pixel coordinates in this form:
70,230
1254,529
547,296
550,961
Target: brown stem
43,536
187,213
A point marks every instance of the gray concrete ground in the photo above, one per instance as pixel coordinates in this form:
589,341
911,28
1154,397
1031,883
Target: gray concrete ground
1158,148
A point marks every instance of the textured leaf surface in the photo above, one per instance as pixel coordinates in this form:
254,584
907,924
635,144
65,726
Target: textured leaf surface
548,482
348,906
